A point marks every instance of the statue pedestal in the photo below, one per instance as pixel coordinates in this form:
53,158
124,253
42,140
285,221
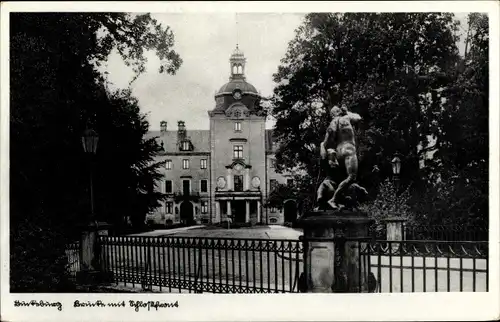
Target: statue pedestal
92,270
332,245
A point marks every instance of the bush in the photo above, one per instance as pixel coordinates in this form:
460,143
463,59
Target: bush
389,203
37,259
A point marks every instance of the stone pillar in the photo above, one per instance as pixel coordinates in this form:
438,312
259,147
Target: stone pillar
228,179
332,259
229,209
247,211
91,263
394,230
258,211
247,179
394,226
217,212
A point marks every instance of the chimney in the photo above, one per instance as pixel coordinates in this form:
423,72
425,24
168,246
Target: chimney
163,126
181,131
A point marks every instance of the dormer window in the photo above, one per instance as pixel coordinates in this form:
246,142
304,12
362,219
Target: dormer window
186,146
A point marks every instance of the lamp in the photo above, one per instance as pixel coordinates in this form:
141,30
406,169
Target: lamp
89,141
396,165
396,169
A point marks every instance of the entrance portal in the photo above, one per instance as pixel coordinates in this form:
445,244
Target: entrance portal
290,210
187,213
238,210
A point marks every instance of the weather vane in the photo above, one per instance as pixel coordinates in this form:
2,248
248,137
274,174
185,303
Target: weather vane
236,30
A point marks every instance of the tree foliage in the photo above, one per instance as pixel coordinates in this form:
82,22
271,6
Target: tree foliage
55,93
296,191
459,167
403,74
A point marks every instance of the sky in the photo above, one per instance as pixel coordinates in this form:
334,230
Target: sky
205,41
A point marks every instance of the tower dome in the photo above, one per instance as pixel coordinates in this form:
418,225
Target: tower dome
237,79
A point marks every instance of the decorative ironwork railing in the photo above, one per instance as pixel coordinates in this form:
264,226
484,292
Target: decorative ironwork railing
446,232
186,264
434,232
231,265
73,256
427,266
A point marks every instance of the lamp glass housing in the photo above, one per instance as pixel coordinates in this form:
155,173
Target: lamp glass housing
89,141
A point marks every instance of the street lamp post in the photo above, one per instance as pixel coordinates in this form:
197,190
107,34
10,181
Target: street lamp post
394,223
91,272
396,170
89,141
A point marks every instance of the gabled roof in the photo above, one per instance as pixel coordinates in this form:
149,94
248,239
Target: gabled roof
199,138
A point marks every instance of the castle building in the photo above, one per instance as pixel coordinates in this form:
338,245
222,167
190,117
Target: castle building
227,171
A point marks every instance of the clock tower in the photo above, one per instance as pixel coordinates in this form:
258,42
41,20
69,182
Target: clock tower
237,139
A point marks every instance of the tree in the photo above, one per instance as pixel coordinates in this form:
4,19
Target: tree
460,161
135,171
56,93
297,191
383,66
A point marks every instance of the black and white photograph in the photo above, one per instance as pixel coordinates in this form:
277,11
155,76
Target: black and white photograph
155,153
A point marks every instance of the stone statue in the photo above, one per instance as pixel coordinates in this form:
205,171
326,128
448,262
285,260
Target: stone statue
339,148
352,196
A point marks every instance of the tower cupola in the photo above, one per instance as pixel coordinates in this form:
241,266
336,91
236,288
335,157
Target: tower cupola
237,64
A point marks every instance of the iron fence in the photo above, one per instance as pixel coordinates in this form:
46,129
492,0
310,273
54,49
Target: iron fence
446,232
73,257
434,232
186,264
427,266
233,265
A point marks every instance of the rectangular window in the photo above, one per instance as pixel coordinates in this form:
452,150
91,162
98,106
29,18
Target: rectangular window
271,163
185,163
168,164
237,126
168,186
238,152
204,186
203,163
204,207
289,182
185,146
169,207
238,183
273,209
186,187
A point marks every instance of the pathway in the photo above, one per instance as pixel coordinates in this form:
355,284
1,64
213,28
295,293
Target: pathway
163,232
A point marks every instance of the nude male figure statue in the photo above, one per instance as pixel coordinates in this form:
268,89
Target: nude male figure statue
340,136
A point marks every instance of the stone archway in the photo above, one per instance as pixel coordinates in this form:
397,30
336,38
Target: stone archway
187,212
290,210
